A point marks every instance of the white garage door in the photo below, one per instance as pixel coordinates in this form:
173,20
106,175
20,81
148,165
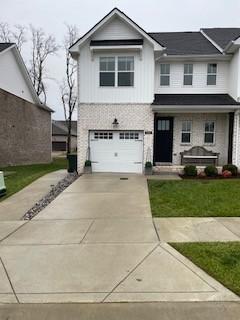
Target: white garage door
116,151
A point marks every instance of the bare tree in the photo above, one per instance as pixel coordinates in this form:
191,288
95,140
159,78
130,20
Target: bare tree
43,46
68,87
16,35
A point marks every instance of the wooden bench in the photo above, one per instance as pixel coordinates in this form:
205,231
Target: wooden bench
199,156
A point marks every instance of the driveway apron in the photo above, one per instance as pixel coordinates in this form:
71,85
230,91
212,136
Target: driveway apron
96,242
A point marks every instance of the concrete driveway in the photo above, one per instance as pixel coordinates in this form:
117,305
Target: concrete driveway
96,242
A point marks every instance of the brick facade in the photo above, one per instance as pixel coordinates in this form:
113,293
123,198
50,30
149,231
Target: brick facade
197,138
101,116
25,132
140,117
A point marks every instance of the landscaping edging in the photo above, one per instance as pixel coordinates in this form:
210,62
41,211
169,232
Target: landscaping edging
50,196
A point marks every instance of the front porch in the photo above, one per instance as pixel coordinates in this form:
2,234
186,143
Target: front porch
184,121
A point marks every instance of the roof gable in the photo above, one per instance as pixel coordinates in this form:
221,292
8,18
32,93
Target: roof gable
222,36
115,13
4,47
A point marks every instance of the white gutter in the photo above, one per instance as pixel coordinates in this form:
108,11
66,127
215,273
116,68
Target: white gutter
195,108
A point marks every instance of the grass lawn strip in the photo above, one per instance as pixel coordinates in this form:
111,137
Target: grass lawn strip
191,198
21,176
221,260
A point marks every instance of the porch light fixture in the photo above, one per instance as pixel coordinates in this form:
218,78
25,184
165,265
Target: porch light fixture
115,123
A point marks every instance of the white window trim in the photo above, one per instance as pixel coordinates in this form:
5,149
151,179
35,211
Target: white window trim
186,143
214,133
116,71
212,74
165,74
188,74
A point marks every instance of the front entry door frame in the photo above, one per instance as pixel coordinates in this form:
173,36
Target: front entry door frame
156,154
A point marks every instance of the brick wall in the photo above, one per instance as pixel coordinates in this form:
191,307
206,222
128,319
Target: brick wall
140,117
221,134
25,132
101,116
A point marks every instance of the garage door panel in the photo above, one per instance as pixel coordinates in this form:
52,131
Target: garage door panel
115,154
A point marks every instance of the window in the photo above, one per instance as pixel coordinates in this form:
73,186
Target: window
165,74
103,135
186,131
107,71
125,71
128,135
211,74
209,132
163,125
188,74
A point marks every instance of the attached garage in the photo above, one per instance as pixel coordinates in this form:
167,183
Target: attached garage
59,146
116,151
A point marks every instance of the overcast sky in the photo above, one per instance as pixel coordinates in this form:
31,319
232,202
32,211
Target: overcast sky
151,15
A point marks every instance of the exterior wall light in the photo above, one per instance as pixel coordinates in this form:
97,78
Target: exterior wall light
115,123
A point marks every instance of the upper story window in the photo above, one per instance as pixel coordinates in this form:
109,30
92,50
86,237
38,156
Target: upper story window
116,71
211,74
107,71
188,74
186,131
125,71
164,74
209,132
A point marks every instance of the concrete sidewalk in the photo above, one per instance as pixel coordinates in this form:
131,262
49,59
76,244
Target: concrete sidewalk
14,207
96,242
197,229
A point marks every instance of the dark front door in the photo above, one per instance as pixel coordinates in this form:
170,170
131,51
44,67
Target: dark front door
163,145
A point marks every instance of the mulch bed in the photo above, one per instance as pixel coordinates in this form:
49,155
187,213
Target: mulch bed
219,177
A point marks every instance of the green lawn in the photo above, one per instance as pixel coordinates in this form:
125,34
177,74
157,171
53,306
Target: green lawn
20,176
189,198
219,260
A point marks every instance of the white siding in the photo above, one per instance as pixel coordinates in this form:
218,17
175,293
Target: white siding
11,77
116,29
91,92
199,78
234,76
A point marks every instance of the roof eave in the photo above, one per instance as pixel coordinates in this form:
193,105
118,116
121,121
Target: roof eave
194,108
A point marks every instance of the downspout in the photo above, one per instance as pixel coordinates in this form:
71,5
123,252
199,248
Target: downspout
237,136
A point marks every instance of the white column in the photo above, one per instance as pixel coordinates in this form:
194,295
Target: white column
236,139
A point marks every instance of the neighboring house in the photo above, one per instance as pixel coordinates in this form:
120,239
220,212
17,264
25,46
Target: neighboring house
60,134
25,123
150,96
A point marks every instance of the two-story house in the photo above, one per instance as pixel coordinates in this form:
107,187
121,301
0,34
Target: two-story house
149,96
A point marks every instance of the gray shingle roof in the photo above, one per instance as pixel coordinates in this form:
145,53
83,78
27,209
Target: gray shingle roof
222,36
5,45
194,99
59,128
182,43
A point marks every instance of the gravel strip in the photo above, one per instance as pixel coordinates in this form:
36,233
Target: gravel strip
50,196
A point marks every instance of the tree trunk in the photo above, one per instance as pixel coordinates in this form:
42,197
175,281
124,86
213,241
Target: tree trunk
69,137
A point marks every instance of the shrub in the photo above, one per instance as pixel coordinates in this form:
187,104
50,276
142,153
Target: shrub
148,164
88,163
230,167
190,171
211,171
226,174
